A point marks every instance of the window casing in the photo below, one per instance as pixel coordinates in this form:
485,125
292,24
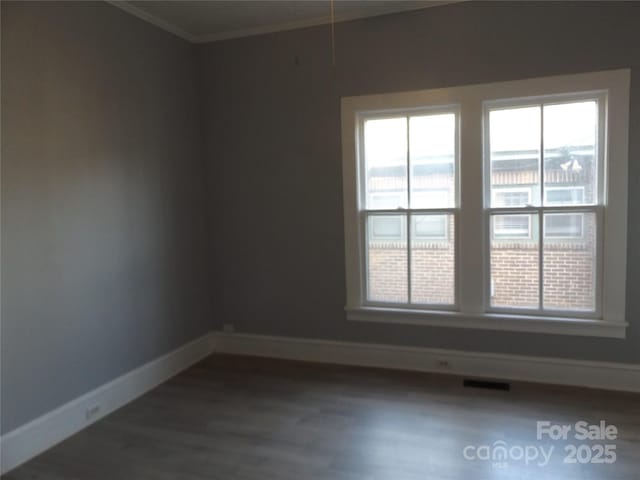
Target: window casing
555,215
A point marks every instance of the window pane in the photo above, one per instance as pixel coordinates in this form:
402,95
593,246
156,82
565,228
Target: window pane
432,140
511,197
385,201
569,261
514,144
570,133
430,227
512,226
433,259
514,261
386,228
564,195
563,225
387,259
385,161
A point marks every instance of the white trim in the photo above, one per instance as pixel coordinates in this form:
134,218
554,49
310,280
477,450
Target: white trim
127,6
33,438
559,371
510,322
472,254
594,89
305,23
153,20
616,138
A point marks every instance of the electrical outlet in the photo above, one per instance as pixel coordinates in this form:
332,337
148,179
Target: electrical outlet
228,327
92,412
441,363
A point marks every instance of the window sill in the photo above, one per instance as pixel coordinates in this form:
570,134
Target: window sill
490,321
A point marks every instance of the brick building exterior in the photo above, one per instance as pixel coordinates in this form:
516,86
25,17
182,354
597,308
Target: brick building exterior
569,240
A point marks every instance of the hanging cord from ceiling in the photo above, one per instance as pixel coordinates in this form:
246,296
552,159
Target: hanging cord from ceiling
333,32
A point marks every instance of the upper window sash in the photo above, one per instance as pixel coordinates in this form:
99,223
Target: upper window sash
408,166
539,198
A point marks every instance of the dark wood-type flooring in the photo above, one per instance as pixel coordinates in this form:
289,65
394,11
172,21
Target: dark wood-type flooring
243,418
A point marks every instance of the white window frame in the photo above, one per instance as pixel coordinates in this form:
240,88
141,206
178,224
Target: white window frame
363,212
596,208
472,233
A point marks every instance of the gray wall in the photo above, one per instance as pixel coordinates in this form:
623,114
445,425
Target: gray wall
105,243
272,127
104,236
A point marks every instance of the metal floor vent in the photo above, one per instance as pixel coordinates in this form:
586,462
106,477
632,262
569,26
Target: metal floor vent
490,385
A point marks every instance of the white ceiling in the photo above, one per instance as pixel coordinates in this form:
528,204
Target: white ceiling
205,21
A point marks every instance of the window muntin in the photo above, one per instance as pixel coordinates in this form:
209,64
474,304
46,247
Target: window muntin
546,239
410,257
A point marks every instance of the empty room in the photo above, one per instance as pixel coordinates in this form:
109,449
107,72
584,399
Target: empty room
320,240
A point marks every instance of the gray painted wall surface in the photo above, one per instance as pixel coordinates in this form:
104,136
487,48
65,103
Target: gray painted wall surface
274,151
105,243
104,236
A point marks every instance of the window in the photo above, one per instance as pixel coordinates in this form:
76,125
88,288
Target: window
561,133
490,206
409,235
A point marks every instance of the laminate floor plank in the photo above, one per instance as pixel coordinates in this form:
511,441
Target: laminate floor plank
245,418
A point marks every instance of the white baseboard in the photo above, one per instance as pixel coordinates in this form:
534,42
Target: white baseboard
27,441
609,376
33,438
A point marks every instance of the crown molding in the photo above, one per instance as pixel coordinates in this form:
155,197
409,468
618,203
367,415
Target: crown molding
248,32
153,20
310,22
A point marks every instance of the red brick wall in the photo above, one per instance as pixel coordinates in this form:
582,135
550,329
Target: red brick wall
568,281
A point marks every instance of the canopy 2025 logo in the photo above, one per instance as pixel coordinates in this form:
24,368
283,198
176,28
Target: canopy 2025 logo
596,446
